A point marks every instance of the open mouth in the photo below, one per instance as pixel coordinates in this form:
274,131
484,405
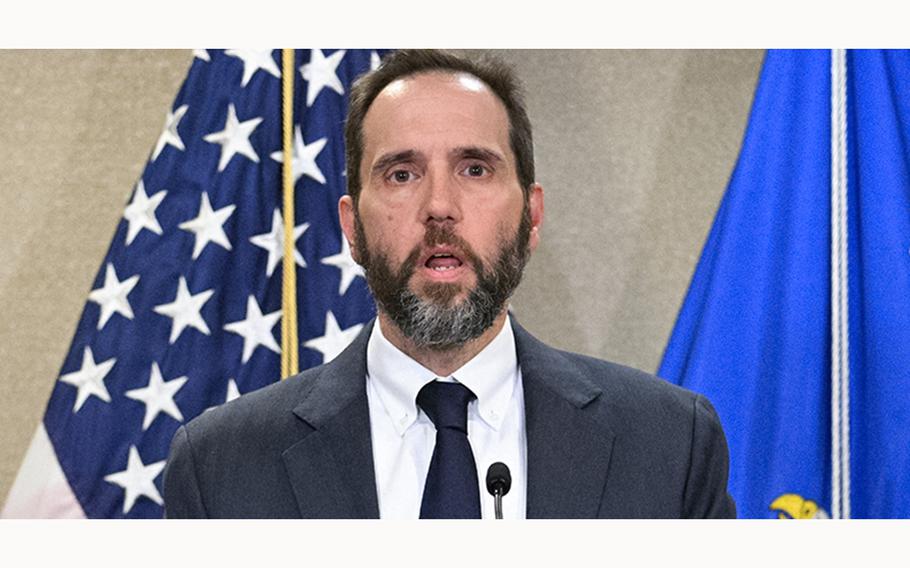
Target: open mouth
443,260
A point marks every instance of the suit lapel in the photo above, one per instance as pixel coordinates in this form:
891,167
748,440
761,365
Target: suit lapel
331,467
568,449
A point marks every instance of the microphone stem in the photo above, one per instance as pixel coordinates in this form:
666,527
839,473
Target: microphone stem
497,500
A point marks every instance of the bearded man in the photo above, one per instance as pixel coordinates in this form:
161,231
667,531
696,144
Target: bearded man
443,213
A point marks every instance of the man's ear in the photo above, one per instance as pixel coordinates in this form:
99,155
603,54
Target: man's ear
535,204
346,216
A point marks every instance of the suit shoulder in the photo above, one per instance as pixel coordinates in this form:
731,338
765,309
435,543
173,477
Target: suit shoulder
628,386
265,410
583,378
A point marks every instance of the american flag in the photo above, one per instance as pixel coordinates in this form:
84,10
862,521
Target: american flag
184,313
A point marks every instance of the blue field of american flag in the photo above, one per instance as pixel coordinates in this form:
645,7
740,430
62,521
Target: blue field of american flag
185,311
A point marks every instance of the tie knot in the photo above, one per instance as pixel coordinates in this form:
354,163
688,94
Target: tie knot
446,404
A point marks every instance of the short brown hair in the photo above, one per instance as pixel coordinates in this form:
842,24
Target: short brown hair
496,74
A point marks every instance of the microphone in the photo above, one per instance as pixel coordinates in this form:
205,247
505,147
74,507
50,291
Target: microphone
499,481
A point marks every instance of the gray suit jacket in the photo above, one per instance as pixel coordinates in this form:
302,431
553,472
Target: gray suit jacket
604,441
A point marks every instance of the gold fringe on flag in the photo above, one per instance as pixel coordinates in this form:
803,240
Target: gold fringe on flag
289,359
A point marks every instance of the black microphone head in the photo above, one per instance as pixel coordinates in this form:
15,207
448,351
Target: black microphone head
499,479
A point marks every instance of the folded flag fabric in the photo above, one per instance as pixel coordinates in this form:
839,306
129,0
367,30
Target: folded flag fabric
796,324
184,313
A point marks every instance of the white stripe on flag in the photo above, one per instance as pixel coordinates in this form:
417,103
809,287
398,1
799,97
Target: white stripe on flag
41,490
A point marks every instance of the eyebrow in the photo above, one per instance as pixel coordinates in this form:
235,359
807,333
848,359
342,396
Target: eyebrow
462,152
392,158
477,153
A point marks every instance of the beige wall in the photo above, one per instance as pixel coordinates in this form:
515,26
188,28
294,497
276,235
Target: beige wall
634,149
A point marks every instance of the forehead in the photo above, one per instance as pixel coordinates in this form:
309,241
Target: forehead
436,108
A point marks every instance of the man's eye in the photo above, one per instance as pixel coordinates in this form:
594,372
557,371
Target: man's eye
476,170
401,176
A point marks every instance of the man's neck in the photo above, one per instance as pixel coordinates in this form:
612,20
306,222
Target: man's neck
442,363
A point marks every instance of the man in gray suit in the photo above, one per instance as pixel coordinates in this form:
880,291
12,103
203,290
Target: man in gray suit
443,213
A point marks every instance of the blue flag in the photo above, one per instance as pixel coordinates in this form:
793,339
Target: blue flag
879,174
185,311
812,434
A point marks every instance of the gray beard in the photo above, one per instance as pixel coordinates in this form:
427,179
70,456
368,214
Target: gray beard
441,325
441,328
436,322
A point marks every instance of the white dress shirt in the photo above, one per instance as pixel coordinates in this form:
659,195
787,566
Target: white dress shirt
404,437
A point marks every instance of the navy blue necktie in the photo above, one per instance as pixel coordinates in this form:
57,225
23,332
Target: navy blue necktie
451,490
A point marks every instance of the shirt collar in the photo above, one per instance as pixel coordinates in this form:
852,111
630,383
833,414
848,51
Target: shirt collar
492,375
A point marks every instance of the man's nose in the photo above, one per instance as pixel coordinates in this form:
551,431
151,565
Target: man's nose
442,199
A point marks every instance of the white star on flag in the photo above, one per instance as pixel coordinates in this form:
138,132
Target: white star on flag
112,297
254,60
138,480
334,340
202,54
140,213
233,393
256,329
89,379
320,73
170,135
375,60
158,397
273,241
235,138
184,310
303,160
344,262
207,226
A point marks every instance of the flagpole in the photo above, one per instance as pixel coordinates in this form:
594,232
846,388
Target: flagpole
289,360
840,362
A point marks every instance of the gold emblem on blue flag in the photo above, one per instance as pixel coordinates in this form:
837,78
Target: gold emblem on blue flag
793,506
